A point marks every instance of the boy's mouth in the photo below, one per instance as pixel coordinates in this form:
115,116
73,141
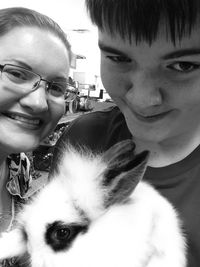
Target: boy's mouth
152,117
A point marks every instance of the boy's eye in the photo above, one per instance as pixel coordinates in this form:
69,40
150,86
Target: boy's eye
184,66
119,59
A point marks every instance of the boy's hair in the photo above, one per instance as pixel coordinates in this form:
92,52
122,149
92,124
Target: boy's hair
143,18
13,17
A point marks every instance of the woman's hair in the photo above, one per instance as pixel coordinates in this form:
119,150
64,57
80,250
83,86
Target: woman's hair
13,17
143,18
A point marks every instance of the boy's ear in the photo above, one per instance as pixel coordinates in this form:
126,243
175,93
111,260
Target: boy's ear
125,169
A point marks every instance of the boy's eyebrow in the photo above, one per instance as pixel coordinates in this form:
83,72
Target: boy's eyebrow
109,49
182,53
171,55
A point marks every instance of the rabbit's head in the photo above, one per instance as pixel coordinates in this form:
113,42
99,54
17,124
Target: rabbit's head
85,187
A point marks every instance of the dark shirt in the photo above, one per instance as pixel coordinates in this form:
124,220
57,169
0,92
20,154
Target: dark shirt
179,182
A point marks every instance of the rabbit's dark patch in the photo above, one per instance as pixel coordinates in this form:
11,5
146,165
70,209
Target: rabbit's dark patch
59,236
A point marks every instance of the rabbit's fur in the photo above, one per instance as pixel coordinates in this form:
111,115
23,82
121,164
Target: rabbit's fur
94,213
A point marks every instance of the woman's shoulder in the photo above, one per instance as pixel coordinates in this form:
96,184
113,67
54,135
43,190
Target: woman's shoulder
98,118
95,123
93,128
96,131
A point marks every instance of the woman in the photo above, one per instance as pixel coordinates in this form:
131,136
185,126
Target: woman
34,66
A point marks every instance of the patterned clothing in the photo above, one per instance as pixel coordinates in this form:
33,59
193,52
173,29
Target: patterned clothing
20,187
19,178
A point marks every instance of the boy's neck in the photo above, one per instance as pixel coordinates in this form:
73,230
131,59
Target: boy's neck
168,152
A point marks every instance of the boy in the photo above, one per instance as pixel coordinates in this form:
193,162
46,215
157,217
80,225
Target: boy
150,66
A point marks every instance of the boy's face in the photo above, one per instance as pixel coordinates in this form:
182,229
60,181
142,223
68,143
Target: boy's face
156,87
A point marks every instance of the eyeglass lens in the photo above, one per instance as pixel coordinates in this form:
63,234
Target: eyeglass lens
29,80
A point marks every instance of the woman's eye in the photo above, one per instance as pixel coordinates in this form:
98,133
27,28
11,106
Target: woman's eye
57,89
119,59
184,66
16,74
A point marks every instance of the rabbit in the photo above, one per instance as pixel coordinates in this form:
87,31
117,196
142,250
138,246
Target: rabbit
96,211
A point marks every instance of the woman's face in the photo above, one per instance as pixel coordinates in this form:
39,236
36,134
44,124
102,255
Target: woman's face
26,119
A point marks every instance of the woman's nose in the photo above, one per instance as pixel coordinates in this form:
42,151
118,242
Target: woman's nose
145,91
36,100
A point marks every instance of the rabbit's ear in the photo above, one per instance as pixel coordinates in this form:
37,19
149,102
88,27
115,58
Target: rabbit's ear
125,169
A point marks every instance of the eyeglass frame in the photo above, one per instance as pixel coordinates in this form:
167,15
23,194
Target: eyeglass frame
48,83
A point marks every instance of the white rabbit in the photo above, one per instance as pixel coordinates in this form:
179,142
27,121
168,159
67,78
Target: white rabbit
94,213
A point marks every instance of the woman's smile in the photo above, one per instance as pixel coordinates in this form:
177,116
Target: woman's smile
24,120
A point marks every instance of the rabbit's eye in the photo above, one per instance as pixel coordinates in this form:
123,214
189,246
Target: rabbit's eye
59,236
62,234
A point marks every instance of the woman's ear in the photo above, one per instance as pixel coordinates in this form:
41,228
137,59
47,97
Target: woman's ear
124,171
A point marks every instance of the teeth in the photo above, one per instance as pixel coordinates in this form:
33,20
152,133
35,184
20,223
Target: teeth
22,119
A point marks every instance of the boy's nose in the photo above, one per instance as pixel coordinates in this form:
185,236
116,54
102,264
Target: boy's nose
144,91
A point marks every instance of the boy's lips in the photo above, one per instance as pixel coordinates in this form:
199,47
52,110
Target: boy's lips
150,114
151,117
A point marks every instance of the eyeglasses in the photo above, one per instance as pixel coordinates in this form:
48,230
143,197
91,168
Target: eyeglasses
28,81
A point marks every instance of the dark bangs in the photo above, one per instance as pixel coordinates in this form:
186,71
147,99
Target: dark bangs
142,18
